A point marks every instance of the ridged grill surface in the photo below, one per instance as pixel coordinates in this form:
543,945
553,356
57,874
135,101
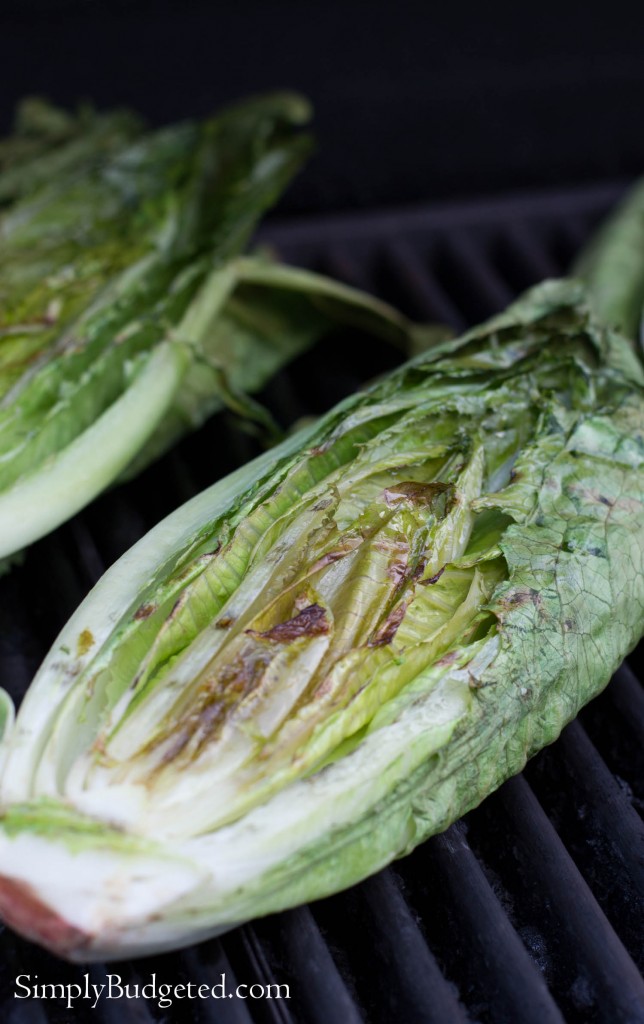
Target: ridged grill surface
530,909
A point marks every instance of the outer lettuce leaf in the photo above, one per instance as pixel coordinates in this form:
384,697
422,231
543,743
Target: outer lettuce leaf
613,269
340,648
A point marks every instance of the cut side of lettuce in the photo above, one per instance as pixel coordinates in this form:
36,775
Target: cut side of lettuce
340,648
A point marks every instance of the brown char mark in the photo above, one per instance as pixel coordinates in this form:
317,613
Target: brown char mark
416,492
311,621
144,611
386,633
433,579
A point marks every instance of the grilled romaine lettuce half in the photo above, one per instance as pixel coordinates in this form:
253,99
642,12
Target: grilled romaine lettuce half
340,648
127,312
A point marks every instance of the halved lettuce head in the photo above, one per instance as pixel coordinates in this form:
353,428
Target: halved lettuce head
338,649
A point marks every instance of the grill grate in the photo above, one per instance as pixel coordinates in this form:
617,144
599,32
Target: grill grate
529,909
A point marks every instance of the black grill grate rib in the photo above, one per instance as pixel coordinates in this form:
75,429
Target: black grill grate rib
500,962
531,908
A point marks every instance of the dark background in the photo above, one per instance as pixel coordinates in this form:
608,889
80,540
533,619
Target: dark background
414,102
